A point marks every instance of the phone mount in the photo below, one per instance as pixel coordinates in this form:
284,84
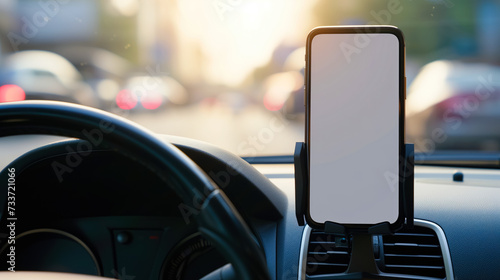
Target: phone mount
362,262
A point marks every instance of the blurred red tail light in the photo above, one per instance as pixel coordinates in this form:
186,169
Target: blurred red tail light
151,100
10,93
126,100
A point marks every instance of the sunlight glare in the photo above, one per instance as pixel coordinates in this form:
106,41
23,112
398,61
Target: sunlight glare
235,37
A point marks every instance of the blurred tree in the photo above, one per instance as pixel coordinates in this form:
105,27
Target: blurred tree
433,29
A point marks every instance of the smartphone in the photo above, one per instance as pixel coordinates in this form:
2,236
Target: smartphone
355,92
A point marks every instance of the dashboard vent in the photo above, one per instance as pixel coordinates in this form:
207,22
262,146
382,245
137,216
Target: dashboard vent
326,254
415,252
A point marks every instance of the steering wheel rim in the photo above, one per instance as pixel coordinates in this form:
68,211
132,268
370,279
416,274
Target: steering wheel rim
217,219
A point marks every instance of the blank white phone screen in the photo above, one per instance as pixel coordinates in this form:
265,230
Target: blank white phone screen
354,135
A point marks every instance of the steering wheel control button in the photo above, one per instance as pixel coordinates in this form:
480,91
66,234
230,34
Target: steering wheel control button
458,176
124,237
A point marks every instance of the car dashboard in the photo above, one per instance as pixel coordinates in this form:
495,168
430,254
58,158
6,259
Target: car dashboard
103,213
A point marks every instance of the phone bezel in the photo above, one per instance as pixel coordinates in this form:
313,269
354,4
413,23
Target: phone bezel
356,29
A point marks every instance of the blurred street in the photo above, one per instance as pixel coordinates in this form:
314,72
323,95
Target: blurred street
251,131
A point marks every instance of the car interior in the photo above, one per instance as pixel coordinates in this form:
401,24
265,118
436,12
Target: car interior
106,192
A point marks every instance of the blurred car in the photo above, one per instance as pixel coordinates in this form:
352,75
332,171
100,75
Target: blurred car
278,88
150,93
294,106
104,71
454,105
42,75
284,91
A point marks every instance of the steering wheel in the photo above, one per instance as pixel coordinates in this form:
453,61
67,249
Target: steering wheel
217,218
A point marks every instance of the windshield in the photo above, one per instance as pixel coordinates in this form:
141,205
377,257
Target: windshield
230,72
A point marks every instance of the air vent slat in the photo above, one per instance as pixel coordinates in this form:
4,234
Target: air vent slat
414,234
414,266
322,242
328,264
329,252
412,256
414,244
